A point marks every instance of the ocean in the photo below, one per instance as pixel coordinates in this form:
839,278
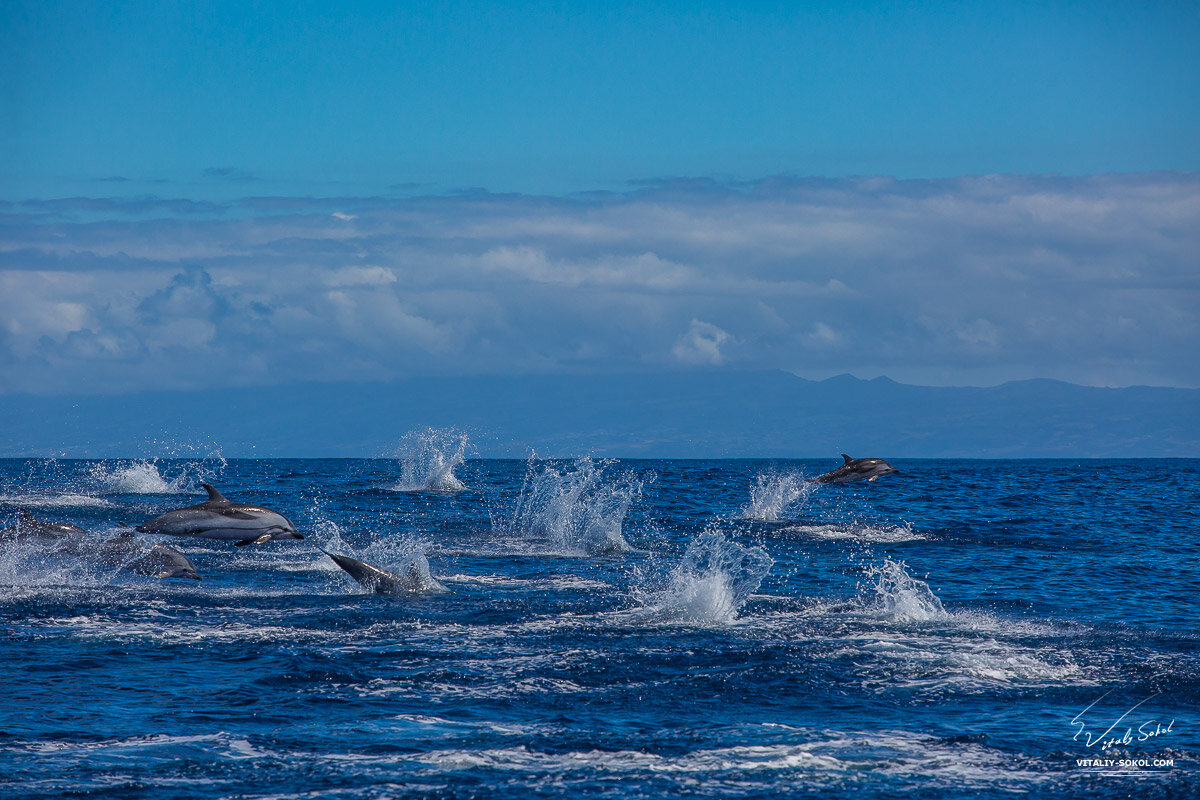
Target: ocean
611,628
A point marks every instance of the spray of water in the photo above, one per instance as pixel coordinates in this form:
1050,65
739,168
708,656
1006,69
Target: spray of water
577,509
888,587
773,494
428,459
710,583
134,477
403,556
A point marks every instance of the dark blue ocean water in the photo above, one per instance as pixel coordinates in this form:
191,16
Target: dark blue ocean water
613,629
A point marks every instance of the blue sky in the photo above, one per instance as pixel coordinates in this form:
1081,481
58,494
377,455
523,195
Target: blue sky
944,193
367,98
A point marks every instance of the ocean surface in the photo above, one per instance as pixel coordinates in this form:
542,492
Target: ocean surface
611,629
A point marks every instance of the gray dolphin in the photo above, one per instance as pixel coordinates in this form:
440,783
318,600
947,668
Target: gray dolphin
858,469
159,561
219,518
29,528
415,580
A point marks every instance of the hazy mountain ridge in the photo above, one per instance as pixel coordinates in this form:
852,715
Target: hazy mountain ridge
683,415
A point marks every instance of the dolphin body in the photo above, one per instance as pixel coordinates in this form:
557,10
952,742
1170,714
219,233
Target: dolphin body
160,561
29,528
415,580
219,518
858,469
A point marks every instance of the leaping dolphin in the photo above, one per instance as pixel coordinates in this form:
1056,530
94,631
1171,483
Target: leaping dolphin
219,518
858,469
416,578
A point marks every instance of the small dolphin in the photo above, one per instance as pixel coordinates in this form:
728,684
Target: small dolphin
380,581
29,528
218,518
858,469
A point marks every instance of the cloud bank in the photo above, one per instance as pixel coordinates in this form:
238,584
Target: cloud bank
1094,280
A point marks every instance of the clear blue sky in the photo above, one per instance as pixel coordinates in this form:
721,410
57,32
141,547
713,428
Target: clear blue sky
206,98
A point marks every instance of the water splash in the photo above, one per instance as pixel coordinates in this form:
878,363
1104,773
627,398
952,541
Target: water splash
402,555
773,494
853,531
43,500
87,560
711,583
428,459
892,590
577,509
134,477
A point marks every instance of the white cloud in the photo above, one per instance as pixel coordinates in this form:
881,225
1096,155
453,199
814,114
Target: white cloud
360,276
961,280
700,344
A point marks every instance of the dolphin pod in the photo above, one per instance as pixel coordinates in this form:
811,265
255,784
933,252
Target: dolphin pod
219,518
216,518
123,552
858,469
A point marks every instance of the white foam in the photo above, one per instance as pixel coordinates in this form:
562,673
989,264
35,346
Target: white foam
825,760
875,534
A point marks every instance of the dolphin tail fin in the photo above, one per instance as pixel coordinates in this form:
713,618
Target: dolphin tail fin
214,495
848,459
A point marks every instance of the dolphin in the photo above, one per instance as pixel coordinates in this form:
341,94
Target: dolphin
219,518
416,578
29,528
160,561
858,469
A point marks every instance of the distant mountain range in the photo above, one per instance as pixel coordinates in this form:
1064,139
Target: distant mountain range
708,414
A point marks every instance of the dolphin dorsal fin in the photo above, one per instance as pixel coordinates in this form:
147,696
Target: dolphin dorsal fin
214,496
848,459
25,515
